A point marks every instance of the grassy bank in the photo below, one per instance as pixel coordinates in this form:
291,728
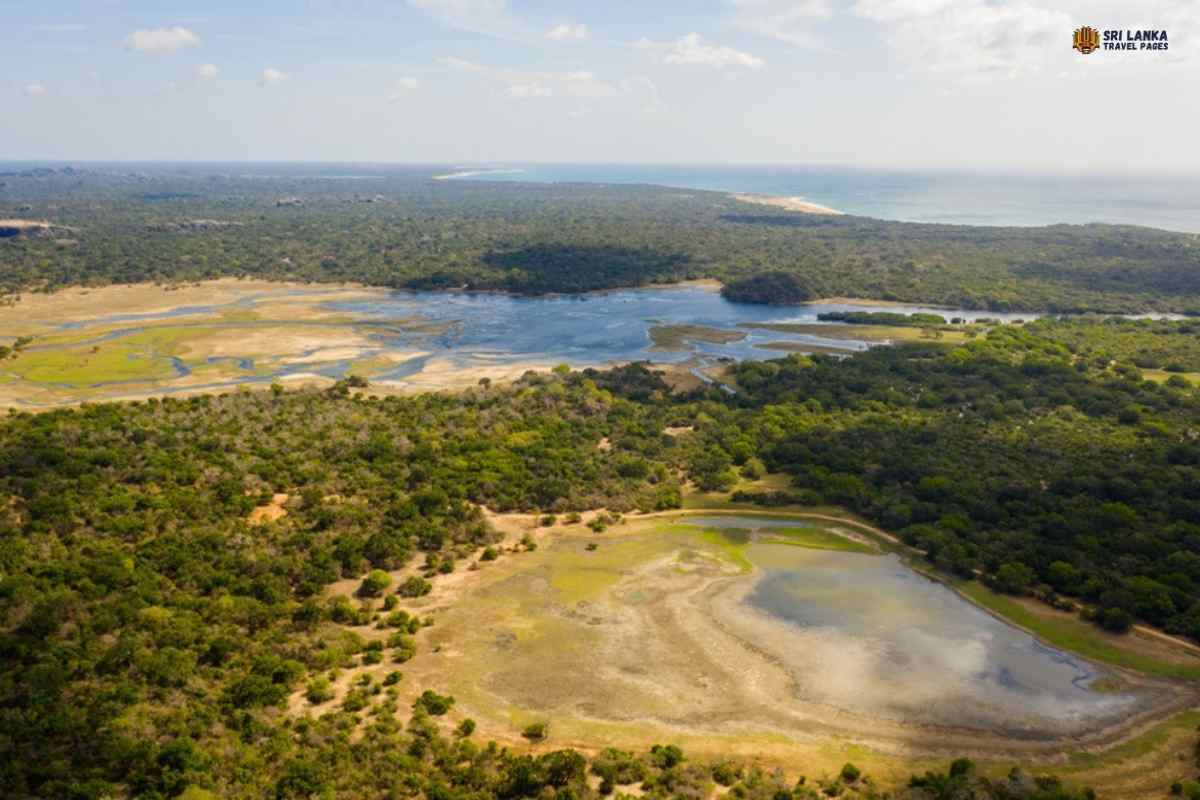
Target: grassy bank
1083,638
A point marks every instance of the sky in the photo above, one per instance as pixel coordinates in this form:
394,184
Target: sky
984,84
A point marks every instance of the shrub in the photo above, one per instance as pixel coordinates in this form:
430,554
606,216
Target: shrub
536,731
414,586
665,756
433,703
376,581
319,691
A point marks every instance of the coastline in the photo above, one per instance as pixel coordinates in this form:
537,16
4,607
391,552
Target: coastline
472,173
788,204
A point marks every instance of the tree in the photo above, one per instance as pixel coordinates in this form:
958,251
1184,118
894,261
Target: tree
1013,578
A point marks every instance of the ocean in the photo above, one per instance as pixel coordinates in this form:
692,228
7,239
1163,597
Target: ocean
968,198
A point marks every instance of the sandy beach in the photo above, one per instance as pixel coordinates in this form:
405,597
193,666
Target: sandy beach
788,203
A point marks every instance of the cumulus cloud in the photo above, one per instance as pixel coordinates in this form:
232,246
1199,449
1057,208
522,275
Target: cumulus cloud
692,49
271,75
161,40
790,21
403,87
207,71
564,33
34,90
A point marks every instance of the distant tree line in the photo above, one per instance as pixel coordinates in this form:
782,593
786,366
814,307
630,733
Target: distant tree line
396,228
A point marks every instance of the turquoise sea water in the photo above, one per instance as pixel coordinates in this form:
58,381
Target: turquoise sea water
1168,201
1171,202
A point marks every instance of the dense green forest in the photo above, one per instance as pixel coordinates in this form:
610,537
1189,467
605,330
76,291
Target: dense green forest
151,633
395,227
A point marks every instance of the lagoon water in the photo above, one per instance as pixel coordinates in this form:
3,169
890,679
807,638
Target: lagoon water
428,340
601,328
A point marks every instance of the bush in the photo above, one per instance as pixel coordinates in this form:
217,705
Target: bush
536,731
374,584
726,773
356,700
618,767
433,703
1115,620
414,586
665,756
319,691
850,773
404,651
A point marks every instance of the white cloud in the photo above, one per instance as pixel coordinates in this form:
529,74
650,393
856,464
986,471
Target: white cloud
974,38
790,21
161,40
980,40
34,90
532,83
404,86
207,71
271,75
584,89
487,17
563,33
692,49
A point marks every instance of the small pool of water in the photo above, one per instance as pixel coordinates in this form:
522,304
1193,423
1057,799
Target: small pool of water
867,634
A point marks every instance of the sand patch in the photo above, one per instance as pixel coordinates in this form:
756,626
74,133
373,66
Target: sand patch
451,374
279,341
270,512
787,203
83,303
329,354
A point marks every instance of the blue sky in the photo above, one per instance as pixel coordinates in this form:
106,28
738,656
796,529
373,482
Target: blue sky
903,83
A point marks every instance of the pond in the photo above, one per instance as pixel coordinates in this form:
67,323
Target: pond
707,625
867,634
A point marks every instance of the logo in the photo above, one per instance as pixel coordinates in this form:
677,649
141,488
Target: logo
1086,40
